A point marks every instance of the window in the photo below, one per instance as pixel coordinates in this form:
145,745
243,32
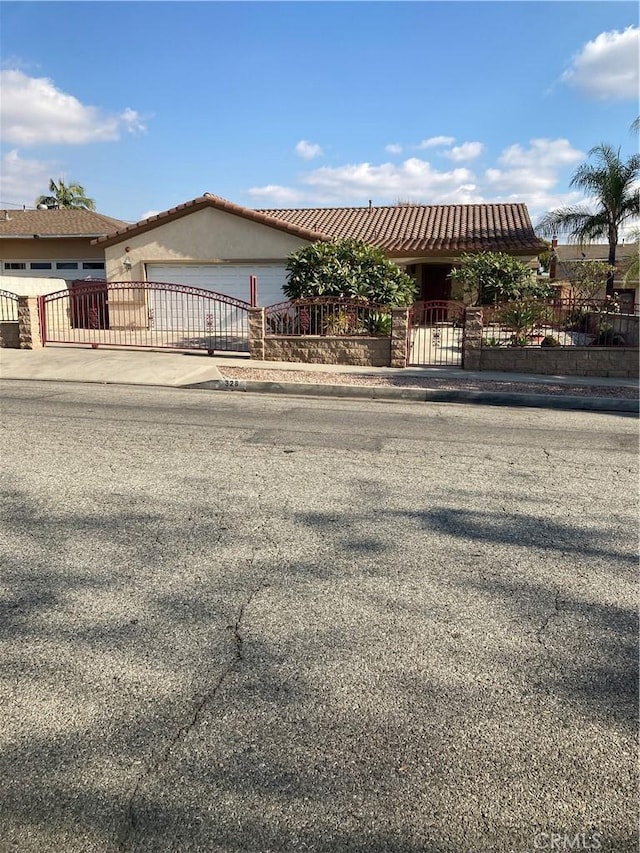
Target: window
92,265
66,265
41,265
15,265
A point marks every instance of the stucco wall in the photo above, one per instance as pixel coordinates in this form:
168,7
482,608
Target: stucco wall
205,236
45,249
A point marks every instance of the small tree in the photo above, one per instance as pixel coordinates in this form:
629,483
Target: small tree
347,269
487,278
587,278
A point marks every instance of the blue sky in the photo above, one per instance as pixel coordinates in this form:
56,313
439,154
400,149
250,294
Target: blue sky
296,104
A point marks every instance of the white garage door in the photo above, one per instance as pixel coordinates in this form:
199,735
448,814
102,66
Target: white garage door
230,279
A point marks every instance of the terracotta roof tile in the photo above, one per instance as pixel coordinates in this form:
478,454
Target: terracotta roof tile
408,229
411,229
208,200
56,223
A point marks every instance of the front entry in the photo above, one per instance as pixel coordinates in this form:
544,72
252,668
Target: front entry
435,334
433,281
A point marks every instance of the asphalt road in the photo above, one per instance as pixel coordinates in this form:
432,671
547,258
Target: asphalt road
252,623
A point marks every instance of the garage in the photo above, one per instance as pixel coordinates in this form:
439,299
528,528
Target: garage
230,279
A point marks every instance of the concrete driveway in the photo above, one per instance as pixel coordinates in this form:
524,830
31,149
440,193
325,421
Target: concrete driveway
235,623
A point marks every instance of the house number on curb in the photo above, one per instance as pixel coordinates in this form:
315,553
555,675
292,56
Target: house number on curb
234,384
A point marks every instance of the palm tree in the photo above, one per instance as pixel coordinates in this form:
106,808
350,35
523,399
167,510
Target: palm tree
611,183
69,197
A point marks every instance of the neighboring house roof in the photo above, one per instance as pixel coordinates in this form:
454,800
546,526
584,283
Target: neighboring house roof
568,255
398,229
56,223
417,228
594,251
200,203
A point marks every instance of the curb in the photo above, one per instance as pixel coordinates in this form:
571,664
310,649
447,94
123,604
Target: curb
422,395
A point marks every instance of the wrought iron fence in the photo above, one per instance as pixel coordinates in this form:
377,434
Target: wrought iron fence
328,317
8,307
559,323
144,314
437,328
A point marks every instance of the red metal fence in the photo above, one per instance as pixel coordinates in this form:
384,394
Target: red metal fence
559,323
328,316
144,314
8,307
436,331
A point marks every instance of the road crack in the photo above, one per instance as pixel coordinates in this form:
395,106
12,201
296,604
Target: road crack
542,628
183,731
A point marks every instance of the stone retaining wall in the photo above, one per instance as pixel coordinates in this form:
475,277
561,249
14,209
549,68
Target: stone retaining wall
361,350
10,334
549,361
562,361
311,349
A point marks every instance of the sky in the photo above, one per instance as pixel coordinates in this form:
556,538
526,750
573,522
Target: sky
305,104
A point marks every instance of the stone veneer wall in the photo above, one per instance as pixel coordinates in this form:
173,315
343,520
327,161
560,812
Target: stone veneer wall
28,323
549,361
360,350
316,349
562,361
10,334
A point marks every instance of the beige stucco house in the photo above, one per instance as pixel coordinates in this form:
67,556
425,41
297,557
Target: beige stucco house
213,243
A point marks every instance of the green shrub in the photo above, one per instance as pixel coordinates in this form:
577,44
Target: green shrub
487,278
347,269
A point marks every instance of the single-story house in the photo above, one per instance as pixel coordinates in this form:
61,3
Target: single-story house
213,243
52,244
568,254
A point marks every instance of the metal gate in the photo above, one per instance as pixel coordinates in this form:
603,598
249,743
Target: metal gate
435,334
144,314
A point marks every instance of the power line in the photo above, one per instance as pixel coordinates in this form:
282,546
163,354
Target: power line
17,204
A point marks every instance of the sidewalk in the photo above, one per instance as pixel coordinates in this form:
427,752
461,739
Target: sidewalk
199,371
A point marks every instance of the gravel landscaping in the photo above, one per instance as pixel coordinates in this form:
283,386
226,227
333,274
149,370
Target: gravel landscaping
462,384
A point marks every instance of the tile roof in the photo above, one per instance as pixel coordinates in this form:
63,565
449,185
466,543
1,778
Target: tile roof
399,229
417,228
209,200
56,223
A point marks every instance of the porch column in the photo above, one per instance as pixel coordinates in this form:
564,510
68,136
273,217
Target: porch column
28,323
472,339
256,333
399,337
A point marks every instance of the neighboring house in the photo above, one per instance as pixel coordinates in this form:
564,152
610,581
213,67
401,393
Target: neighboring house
213,243
566,255
56,244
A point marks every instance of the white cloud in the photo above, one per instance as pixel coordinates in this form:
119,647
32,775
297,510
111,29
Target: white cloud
607,67
308,150
466,151
528,174
277,195
436,142
542,155
394,148
34,112
387,182
24,180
